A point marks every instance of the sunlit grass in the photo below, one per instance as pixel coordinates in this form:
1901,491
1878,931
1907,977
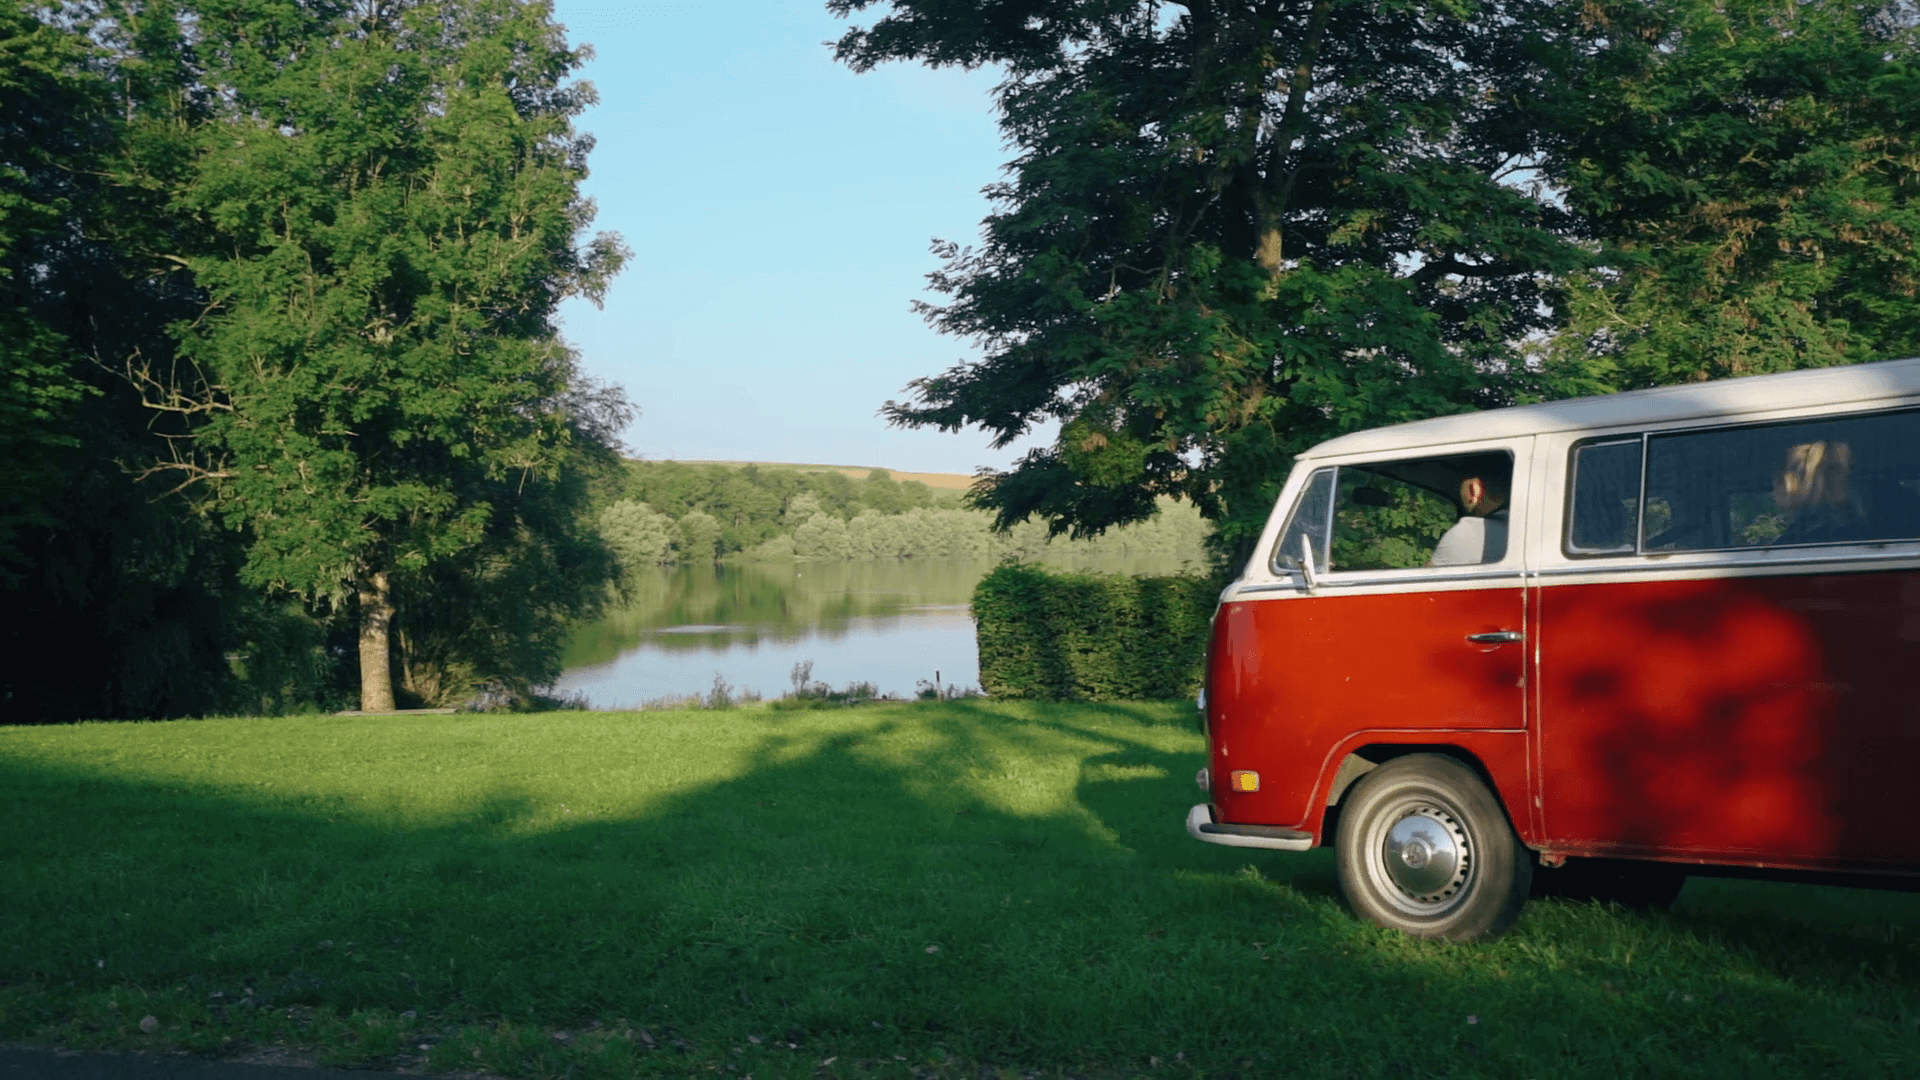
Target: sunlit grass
941,888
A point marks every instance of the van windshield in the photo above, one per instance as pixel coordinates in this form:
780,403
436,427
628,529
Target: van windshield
1307,528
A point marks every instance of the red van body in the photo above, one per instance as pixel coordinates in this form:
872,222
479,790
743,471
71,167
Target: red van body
1711,662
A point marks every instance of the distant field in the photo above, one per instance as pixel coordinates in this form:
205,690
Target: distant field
964,889
937,480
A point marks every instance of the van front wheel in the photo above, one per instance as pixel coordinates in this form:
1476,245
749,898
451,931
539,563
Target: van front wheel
1423,847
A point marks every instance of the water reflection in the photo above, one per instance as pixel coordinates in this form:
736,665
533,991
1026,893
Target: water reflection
893,623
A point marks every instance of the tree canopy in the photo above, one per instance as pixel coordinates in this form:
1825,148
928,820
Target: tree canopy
304,256
378,390
1751,168
1233,228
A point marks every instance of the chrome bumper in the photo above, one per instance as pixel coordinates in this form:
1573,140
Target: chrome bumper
1202,827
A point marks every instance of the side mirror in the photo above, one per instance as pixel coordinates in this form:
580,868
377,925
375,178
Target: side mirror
1306,563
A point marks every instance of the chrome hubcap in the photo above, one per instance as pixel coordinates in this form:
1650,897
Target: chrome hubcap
1422,857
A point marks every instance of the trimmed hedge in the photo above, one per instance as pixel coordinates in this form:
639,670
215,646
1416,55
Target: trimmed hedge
1091,637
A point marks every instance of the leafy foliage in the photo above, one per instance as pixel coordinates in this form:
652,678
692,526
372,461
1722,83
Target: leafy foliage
1750,168
696,535
637,534
119,604
752,504
296,263
641,537
1232,230
49,101
377,394
1091,637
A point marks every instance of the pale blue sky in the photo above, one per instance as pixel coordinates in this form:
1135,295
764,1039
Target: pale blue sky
779,208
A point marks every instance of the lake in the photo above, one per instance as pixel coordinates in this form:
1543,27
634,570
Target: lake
893,622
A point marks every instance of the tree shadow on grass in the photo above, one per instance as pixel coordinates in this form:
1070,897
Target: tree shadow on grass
1822,924
952,886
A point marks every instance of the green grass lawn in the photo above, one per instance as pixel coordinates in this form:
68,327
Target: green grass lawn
949,889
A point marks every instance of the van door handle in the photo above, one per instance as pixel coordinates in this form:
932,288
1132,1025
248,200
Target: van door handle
1497,637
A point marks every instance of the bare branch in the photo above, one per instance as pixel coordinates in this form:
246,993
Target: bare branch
165,395
194,474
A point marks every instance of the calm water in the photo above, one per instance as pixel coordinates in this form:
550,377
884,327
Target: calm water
892,623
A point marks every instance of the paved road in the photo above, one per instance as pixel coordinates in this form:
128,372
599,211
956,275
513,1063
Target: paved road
16,1064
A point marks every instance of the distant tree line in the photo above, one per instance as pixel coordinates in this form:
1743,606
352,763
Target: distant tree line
670,512
284,417
750,504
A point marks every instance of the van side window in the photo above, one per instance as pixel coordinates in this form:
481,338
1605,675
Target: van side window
1848,480
1311,517
1604,518
1385,522
1396,515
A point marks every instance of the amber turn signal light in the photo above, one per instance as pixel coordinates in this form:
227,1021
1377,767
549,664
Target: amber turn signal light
1244,780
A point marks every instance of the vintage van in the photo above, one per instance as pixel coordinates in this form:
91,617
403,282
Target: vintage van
1590,644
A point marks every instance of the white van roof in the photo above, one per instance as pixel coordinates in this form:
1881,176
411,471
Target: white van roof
1852,384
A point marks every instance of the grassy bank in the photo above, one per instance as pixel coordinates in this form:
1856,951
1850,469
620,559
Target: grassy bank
927,889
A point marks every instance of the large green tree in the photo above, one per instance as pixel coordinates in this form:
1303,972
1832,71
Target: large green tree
1750,173
375,391
1233,228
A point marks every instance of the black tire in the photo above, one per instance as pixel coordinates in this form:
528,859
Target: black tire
1612,881
1423,847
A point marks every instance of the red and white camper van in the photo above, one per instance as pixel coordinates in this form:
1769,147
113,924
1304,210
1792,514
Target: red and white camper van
1620,637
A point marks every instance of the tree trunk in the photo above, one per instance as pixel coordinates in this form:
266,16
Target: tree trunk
1277,192
376,667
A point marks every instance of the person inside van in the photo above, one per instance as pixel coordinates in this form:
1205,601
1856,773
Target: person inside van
1480,536
1812,492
